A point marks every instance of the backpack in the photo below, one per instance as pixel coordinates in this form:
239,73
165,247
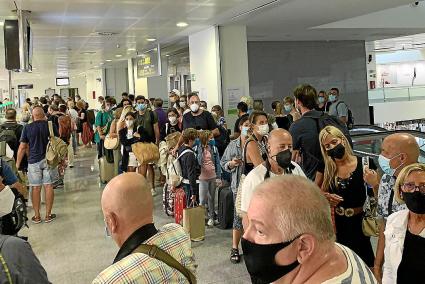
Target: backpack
56,149
65,125
350,118
174,170
8,134
11,223
328,120
223,140
91,118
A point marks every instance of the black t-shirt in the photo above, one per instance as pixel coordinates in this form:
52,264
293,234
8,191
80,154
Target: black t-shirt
411,268
305,138
284,122
236,129
324,108
204,121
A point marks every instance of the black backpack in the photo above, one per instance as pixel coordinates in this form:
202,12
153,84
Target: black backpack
325,119
223,140
8,134
350,118
11,223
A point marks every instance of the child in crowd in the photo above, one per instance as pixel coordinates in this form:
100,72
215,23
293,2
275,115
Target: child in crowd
172,125
189,166
209,161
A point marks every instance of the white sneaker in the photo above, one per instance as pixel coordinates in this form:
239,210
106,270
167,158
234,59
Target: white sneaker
210,222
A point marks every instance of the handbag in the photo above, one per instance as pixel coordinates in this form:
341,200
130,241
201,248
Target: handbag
370,225
194,221
111,143
145,152
238,200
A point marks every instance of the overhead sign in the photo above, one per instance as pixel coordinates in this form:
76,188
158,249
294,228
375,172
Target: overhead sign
149,63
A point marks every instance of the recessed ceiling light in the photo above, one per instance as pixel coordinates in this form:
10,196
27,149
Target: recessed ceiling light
118,55
182,24
151,39
131,49
102,63
167,55
108,60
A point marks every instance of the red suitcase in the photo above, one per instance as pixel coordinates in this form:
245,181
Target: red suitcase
179,205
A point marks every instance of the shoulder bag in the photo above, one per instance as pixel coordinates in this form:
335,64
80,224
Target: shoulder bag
161,255
238,201
56,150
370,225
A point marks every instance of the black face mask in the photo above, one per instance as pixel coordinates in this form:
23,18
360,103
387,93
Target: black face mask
260,261
283,159
415,201
337,153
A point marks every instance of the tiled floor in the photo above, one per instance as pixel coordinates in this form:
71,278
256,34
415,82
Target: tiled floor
74,248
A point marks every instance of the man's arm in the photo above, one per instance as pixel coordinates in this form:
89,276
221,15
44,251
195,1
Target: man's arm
22,150
216,132
157,134
342,112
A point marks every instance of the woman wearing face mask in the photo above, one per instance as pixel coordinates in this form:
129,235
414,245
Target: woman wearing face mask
292,113
232,163
209,161
184,108
129,136
322,102
256,151
344,187
405,230
172,125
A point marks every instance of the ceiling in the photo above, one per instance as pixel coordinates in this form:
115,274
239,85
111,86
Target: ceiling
66,39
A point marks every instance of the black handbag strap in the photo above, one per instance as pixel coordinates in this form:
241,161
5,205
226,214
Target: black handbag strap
390,203
159,254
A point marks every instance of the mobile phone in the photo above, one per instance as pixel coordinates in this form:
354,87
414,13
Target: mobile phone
365,163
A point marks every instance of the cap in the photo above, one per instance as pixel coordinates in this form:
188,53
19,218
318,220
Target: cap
175,91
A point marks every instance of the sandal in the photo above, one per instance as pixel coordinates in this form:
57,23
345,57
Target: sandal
36,220
50,218
235,257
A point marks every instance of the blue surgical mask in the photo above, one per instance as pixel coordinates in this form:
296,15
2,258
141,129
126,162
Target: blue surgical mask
244,131
211,142
332,98
141,107
288,108
197,142
384,163
321,100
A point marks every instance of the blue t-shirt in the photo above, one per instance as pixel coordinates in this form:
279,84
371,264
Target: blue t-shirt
36,134
7,174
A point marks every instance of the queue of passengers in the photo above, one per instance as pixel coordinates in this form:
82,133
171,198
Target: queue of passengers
291,230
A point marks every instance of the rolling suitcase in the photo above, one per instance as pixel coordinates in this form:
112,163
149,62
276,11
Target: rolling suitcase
168,200
106,170
179,205
226,208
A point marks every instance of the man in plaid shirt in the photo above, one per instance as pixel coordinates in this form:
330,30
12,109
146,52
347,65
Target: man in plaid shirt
127,206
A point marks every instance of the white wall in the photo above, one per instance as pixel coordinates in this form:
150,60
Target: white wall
158,85
94,85
234,65
205,65
401,74
398,111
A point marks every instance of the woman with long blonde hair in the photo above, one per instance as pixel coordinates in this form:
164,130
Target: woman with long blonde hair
344,185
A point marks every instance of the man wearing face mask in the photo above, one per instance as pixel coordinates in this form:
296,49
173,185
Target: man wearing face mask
174,98
337,108
287,241
103,122
278,163
242,113
398,151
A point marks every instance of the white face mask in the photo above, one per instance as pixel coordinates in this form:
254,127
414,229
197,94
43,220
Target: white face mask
7,199
129,123
172,119
194,107
182,104
263,129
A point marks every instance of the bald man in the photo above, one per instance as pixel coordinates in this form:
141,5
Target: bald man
279,150
285,241
127,207
34,140
398,151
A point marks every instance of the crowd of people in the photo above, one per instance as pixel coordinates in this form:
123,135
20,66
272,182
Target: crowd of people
300,192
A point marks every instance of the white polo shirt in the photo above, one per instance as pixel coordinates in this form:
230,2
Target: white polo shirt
255,177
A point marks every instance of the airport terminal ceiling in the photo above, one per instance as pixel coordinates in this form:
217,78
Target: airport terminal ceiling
75,35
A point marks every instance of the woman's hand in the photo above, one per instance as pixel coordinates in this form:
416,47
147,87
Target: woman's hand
113,135
137,135
235,163
333,199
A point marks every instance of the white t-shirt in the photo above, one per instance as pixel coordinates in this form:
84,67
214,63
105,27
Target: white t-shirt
357,271
255,177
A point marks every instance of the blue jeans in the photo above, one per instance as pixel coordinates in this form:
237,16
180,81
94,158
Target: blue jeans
40,174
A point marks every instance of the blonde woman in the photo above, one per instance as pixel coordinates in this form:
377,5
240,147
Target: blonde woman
405,230
344,187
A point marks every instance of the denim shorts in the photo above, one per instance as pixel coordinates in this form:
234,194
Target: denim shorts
40,174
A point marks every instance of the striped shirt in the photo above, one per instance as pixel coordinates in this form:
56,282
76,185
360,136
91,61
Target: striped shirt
357,271
140,268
